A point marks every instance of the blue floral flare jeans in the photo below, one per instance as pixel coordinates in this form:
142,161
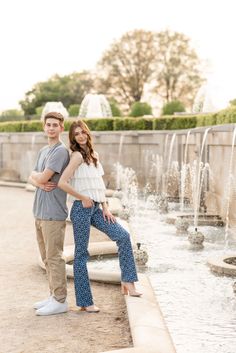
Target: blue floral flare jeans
82,218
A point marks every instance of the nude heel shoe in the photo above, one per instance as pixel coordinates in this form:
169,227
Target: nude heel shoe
90,309
129,289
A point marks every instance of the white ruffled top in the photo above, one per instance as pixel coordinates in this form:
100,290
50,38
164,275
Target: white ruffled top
88,181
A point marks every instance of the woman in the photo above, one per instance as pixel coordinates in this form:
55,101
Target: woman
88,190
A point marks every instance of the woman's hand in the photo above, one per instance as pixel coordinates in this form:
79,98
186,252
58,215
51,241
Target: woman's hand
87,202
108,216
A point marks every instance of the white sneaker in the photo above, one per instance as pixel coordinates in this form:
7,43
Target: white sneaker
42,303
52,308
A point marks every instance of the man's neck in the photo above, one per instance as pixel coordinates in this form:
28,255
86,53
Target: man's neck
52,142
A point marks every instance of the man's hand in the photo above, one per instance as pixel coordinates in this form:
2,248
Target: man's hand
49,186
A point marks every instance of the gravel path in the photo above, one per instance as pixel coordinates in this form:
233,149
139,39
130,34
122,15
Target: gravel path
23,282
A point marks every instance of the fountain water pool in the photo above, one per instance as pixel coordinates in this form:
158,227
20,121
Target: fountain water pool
199,307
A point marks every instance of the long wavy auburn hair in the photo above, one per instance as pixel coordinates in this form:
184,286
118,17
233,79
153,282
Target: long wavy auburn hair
87,155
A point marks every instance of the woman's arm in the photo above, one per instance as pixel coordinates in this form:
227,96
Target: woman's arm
107,215
75,160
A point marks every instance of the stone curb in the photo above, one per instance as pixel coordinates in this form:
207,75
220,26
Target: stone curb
147,325
219,266
148,329
13,184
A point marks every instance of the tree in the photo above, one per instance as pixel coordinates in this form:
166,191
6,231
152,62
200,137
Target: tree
11,114
179,76
127,66
232,102
173,107
69,89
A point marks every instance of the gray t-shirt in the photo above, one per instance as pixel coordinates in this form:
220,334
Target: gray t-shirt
51,205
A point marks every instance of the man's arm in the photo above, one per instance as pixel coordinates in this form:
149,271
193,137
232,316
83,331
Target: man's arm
41,180
42,177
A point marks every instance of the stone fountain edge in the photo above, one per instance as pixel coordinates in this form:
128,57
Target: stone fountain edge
219,266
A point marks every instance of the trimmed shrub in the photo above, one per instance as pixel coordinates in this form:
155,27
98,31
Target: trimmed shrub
33,125
133,124
160,123
116,112
74,110
13,126
182,122
206,119
172,107
100,124
67,124
139,109
227,116
174,123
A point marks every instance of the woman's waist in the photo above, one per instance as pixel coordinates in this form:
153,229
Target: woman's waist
91,183
96,195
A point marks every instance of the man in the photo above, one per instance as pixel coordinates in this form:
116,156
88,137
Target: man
50,212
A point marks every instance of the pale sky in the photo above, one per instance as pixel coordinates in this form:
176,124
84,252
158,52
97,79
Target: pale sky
39,38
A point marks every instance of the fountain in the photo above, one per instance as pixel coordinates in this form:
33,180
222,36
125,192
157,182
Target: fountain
226,264
122,137
54,107
184,173
203,101
95,106
140,255
178,276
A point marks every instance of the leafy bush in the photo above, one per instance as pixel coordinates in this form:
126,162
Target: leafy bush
116,112
100,124
206,120
183,122
74,110
33,125
133,124
227,116
140,109
233,102
10,127
172,107
174,123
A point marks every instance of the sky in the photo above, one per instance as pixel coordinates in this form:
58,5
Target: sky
40,38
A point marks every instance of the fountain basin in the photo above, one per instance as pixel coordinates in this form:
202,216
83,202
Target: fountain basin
223,265
203,219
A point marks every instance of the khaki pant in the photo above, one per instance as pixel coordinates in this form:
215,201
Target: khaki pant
50,237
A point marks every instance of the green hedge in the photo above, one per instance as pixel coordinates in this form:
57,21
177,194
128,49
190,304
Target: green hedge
100,124
174,123
21,126
227,116
133,124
